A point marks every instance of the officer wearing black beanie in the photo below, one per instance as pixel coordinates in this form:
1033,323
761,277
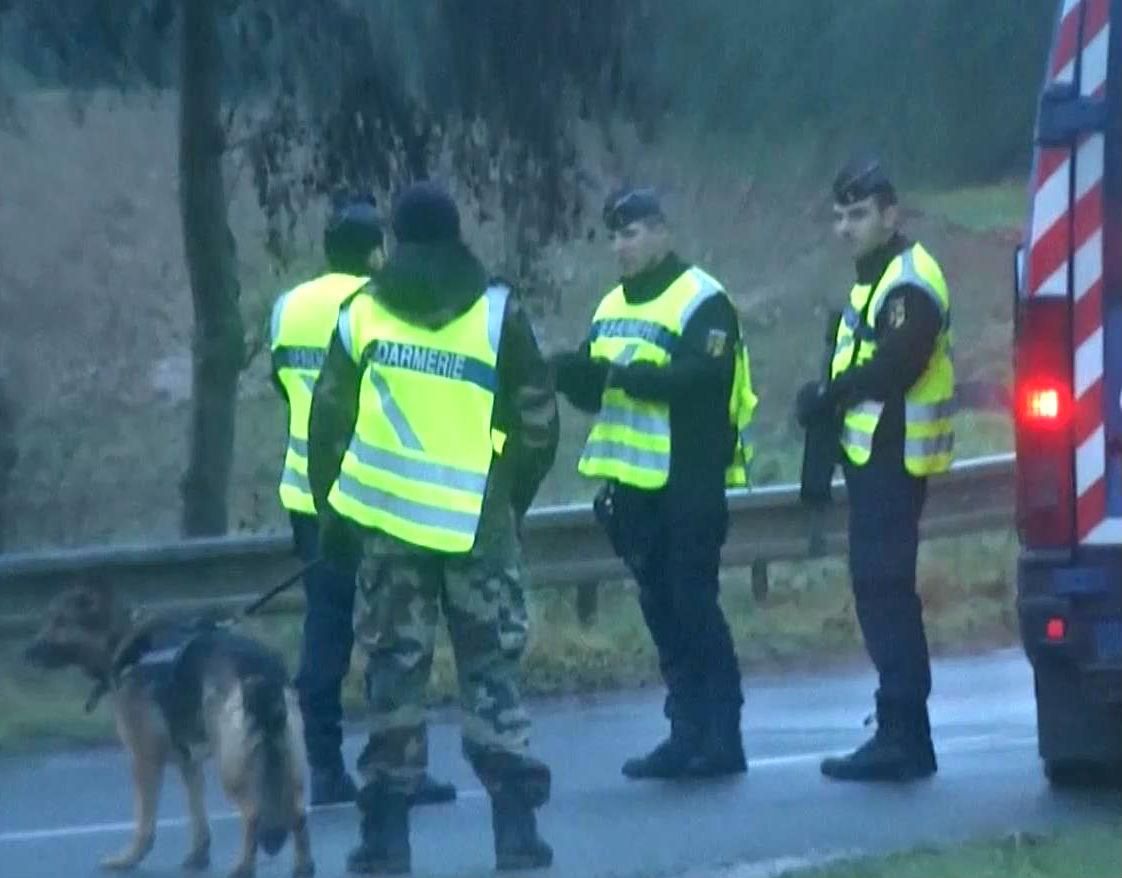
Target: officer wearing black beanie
433,424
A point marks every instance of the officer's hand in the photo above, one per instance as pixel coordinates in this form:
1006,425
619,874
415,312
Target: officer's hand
635,378
811,403
576,369
566,363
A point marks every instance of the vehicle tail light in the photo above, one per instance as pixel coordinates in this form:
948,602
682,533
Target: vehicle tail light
1045,458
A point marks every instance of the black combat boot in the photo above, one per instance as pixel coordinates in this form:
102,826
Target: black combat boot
922,750
330,786
517,843
896,752
722,748
384,846
671,758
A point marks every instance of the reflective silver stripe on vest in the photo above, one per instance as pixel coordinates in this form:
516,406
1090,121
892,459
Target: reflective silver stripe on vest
413,511
857,439
628,354
275,319
909,276
620,416
930,446
497,296
343,327
626,454
393,412
437,474
923,413
851,319
294,479
746,437
868,408
299,446
708,288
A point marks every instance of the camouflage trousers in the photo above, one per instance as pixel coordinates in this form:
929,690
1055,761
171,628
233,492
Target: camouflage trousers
398,606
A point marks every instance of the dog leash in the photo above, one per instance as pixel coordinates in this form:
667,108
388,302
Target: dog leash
102,686
260,601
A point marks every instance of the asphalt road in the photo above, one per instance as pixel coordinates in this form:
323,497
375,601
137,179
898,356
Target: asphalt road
60,813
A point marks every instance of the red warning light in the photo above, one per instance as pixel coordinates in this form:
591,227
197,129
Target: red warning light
1043,405
1055,629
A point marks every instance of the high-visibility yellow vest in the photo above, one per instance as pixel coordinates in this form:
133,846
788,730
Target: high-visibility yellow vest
630,439
929,405
303,321
423,442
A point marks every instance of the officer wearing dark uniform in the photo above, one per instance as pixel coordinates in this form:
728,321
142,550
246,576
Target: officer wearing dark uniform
665,371
303,320
892,396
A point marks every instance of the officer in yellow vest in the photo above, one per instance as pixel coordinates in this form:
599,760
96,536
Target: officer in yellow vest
433,424
892,398
302,322
665,371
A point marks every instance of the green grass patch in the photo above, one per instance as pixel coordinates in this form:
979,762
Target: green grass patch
977,208
806,621
978,434
1087,852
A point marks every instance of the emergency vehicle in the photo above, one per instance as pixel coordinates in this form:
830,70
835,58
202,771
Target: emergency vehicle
1068,399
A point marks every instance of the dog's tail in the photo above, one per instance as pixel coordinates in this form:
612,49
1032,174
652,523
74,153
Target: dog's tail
265,707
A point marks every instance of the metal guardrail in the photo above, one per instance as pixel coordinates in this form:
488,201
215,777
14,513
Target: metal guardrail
563,546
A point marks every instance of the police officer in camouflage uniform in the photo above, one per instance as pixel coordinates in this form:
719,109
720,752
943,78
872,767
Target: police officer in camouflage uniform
303,320
433,424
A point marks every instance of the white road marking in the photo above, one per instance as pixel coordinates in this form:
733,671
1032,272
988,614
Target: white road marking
965,744
775,867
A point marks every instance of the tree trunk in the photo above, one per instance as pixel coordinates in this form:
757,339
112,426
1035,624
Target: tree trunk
218,347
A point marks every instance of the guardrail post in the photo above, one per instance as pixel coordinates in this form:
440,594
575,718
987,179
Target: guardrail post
588,602
759,579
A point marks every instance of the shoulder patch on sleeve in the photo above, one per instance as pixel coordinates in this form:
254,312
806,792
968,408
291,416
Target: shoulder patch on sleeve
897,312
716,342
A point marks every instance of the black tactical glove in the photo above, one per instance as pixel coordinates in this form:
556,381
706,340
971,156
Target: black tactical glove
576,369
816,402
812,403
637,379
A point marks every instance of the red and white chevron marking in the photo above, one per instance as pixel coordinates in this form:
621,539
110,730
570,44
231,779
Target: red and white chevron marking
1049,242
1087,283
1087,289
1067,218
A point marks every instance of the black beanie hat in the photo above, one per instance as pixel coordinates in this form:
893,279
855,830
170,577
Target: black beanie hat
425,214
353,232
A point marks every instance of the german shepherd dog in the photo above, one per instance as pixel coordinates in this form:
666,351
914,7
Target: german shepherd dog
210,692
